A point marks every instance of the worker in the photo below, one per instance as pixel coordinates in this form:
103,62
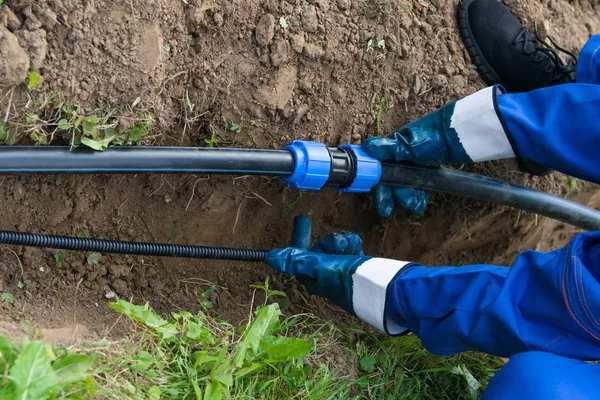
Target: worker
543,312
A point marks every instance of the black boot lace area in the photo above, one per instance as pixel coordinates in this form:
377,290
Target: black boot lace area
544,53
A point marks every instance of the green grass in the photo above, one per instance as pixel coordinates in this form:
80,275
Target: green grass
45,117
572,187
271,356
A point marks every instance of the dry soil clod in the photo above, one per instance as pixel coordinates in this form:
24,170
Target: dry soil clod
14,62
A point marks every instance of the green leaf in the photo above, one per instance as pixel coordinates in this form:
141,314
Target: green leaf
84,233
203,361
146,316
367,363
214,391
209,291
98,144
472,382
266,323
197,333
31,118
94,258
253,368
58,257
237,128
154,393
3,130
283,23
206,305
64,125
222,373
72,368
135,133
182,315
143,362
32,376
8,353
173,232
8,298
285,348
20,284
33,78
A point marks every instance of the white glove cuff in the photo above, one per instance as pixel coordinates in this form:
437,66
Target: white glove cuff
369,293
478,127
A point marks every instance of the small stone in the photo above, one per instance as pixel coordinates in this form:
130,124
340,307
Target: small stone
343,4
287,112
417,84
265,29
297,43
306,84
74,35
439,81
309,19
218,18
337,93
300,113
12,21
458,81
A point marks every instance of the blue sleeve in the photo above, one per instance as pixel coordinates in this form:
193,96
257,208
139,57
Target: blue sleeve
546,301
558,127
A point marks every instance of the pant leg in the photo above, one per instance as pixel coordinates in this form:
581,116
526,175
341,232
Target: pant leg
544,376
588,65
558,126
547,301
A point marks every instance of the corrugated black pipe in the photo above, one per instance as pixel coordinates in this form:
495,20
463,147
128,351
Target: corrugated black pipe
135,248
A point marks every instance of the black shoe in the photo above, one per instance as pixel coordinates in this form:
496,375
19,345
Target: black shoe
505,53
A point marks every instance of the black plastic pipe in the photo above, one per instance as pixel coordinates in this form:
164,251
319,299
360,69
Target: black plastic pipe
135,248
179,160
489,189
144,160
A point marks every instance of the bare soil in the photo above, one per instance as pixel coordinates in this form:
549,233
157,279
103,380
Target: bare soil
198,67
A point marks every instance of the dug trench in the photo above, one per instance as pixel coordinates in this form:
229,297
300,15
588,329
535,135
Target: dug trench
333,71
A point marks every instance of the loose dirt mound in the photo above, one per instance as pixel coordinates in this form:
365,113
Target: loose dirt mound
336,71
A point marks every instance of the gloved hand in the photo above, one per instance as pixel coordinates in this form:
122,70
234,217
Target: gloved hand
326,270
335,268
464,131
426,141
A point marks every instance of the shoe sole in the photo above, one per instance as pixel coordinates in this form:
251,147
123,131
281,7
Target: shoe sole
483,68
489,75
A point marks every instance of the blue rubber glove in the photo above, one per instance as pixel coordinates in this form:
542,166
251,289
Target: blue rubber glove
326,270
426,141
464,131
335,268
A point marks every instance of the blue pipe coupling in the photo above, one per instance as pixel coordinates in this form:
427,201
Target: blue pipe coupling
347,167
